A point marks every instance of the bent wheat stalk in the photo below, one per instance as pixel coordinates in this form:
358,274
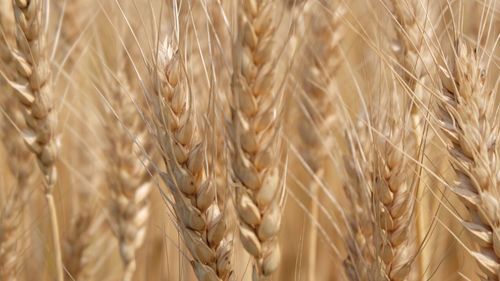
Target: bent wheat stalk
201,220
34,89
467,115
258,177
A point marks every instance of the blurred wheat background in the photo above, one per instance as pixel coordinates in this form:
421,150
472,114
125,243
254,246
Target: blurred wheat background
219,140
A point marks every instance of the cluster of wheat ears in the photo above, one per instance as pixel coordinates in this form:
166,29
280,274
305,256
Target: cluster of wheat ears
224,140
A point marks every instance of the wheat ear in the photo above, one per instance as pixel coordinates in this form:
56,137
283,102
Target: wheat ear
258,178
393,195
201,220
358,188
129,173
467,114
319,86
415,46
34,89
415,32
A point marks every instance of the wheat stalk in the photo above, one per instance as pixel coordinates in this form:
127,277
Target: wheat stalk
33,89
467,114
201,220
258,178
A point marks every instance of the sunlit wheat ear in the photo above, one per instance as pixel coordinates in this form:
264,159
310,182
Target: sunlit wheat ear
393,197
33,88
257,175
467,114
129,168
201,220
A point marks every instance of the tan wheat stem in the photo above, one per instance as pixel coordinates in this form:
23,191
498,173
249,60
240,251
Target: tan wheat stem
467,115
256,146
34,89
201,219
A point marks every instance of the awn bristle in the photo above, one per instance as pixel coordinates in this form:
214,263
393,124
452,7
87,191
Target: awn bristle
72,26
201,220
129,175
257,175
467,115
394,197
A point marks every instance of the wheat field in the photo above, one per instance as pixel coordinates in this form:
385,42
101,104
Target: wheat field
224,140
